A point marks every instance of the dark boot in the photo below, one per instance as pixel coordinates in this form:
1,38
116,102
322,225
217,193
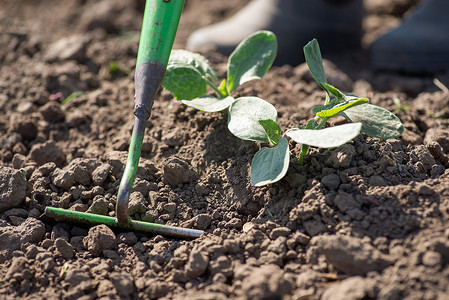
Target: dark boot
337,24
419,44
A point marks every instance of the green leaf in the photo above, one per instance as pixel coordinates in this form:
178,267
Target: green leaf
251,59
184,58
71,97
376,121
270,164
209,103
185,82
326,138
272,129
333,109
314,60
223,88
244,116
333,90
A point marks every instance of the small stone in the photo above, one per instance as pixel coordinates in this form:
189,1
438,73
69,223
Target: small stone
99,238
331,181
431,259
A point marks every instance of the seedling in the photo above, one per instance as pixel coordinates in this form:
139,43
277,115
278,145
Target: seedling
270,164
189,74
251,118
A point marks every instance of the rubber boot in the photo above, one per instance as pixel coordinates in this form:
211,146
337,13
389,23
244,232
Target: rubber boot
420,44
337,24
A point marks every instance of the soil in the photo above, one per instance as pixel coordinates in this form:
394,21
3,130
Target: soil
368,220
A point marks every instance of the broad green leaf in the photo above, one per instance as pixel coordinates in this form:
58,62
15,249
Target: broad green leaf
251,59
376,121
272,129
185,82
181,58
270,164
209,103
244,116
314,60
333,109
326,138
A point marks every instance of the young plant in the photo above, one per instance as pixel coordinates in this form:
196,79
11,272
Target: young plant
270,164
189,74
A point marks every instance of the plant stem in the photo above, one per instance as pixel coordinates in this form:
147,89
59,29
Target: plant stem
216,90
305,148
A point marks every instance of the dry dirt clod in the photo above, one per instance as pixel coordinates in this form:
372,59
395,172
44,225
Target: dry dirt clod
12,237
13,187
99,238
177,170
350,255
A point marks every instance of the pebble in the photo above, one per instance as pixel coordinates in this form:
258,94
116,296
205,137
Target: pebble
431,259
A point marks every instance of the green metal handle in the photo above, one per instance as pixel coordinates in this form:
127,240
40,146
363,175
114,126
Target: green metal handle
159,28
93,219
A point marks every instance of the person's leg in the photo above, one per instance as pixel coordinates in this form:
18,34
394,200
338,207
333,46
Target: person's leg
419,44
337,24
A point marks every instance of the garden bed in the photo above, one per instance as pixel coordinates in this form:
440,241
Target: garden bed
367,220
